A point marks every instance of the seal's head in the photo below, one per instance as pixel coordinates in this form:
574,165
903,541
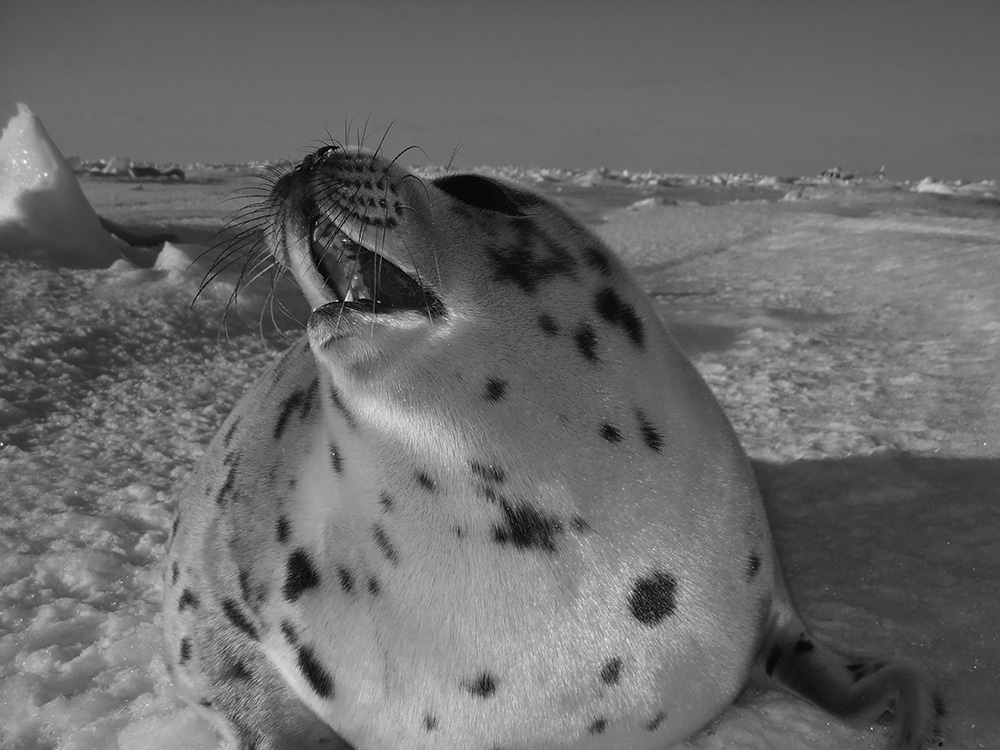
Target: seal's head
433,295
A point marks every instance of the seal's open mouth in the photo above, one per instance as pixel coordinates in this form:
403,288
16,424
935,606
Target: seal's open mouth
362,279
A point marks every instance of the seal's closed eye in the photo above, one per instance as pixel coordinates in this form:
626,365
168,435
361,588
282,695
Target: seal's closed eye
478,192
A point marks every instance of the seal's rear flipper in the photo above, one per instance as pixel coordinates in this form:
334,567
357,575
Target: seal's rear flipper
854,690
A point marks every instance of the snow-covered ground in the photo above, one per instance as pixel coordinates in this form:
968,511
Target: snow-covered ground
854,340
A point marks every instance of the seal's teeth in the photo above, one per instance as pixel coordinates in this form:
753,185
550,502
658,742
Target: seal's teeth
358,290
357,274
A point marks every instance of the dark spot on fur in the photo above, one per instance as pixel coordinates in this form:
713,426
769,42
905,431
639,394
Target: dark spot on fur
238,619
580,525
490,491
654,724
548,325
611,672
619,313
753,565
597,259
175,572
526,527
283,530
772,660
527,267
236,671
288,630
384,544
488,473
205,703
598,726
495,391
803,646
317,677
311,393
430,722
346,580
244,581
185,652
940,708
586,341
650,435
459,533
387,501
653,597
175,525
611,433
188,599
515,266
338,402
424,480
484,686
336,461
374,588
227,487
290,405
300,574
229,432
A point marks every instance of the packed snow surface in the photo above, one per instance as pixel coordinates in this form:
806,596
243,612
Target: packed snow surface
853,338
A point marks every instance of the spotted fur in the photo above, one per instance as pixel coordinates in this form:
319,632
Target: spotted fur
484,503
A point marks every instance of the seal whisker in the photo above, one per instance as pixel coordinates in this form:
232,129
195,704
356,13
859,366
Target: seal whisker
413,147
454,153
247,243
362,136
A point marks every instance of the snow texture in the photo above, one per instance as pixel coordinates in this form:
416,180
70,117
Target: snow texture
43,211
854,341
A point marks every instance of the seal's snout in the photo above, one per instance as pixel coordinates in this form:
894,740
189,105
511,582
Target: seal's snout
336,217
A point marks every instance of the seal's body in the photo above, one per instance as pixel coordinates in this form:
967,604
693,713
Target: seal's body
485,503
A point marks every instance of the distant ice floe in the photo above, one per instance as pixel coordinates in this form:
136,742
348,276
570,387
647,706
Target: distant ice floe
644,203
119,165
123,166
43,211
984,189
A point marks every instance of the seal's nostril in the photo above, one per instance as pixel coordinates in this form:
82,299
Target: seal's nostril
306,162
310,159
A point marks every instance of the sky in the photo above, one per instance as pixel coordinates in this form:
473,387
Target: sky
782,87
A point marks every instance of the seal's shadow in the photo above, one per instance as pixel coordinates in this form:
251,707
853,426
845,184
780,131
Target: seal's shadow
900,554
